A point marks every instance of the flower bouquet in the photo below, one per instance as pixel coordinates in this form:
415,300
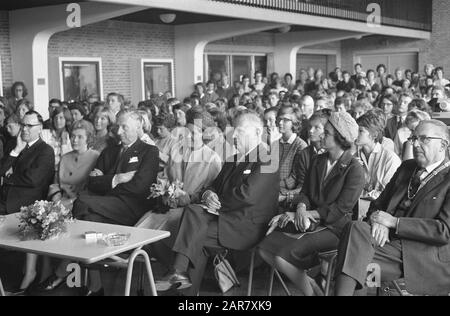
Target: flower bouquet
44,220
166,194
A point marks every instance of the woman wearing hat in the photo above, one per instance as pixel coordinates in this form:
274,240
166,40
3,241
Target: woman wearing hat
331,190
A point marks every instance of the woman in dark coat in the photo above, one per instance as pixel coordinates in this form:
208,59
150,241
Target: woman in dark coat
332,188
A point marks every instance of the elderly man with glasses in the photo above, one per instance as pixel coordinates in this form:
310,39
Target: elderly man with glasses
28,170
407,232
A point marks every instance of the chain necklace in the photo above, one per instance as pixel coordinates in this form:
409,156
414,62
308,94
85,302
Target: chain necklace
411,195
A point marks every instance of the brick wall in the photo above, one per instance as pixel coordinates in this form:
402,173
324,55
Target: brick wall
120,44
5,52
439,50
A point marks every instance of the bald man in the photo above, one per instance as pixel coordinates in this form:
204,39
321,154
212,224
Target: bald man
238,207
306,104
407,232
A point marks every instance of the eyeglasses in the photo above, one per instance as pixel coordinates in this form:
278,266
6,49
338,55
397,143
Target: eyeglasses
284,119
423,139
29,125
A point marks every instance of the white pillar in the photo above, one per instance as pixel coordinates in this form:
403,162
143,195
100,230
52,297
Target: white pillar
30,31
190,43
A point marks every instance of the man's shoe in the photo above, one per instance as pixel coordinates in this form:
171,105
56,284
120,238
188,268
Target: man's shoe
15,292
51,284
176,280
86,292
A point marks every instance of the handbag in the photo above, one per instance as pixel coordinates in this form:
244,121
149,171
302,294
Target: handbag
224,273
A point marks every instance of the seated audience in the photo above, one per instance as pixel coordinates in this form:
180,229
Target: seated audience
407,229
118,188
236,209
331,190
196,166
72,179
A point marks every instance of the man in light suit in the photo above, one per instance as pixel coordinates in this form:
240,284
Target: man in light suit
244,198
408,229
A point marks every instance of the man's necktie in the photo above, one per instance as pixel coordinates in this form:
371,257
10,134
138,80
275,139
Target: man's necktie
415,183
123,149
24,151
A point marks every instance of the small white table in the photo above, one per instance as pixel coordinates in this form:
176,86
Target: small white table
74,247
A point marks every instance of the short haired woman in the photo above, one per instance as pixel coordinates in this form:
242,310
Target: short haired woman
58,136
23,106
104,120
78,111
332,188
379,164
163,125
290,145
388,103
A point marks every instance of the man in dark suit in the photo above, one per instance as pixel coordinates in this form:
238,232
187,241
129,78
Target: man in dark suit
347,84
408,229
28,170
120,184
399,120
237,208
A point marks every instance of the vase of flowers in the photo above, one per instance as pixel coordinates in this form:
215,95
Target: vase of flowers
44,220
166,194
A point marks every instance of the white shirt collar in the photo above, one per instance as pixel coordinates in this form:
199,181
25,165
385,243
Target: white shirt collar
32,143
290,141
432,167
129,146
243,157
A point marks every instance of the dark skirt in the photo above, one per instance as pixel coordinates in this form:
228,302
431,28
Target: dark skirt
300,250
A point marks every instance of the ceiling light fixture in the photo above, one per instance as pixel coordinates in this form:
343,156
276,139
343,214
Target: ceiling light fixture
285,29
168,18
